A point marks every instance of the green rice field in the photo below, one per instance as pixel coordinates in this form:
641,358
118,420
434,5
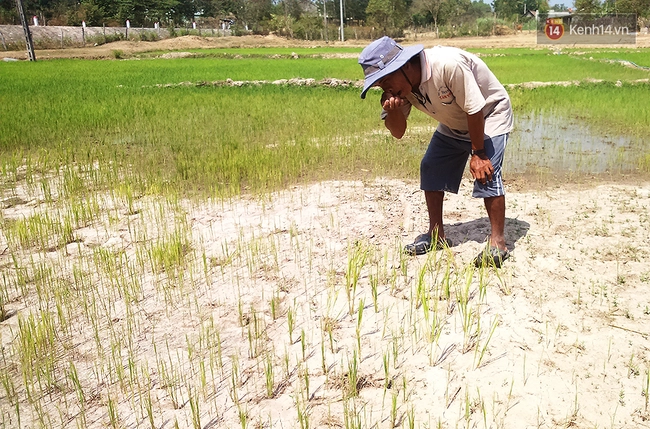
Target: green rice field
223,140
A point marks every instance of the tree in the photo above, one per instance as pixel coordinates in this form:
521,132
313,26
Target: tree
511,9
387,13
251,13
588,6
431,7
354,9
640,7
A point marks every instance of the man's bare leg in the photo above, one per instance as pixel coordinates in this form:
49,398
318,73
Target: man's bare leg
496,209
434,201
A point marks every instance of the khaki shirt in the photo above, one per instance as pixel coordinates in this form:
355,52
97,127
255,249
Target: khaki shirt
456,83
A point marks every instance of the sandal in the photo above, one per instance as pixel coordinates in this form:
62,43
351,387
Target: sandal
422,245
491,256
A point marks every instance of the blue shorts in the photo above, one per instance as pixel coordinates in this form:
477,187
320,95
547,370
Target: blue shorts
444,162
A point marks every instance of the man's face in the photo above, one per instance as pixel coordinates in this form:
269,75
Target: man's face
395,84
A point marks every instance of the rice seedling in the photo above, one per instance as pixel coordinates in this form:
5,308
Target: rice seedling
352,384
393,409
269,375
303,414
645,391
478,356
357,258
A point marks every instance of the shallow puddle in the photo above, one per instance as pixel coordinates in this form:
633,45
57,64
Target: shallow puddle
547,142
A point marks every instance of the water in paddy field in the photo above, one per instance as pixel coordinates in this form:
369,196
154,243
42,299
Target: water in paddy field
546,142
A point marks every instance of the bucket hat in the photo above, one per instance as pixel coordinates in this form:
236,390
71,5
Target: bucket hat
382,57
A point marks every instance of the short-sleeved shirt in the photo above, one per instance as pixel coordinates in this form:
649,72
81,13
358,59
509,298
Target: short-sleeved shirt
456,83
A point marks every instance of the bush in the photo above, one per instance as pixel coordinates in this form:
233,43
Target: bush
148,36
101,39
307,28
485,26
239,30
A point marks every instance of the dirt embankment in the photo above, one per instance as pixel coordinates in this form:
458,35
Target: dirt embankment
520,40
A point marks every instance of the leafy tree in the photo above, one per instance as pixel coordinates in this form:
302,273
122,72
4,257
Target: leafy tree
588,6
252,13
387,13
640,7
434,8
356,9
511,9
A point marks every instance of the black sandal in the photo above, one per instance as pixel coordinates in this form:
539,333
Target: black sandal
491,256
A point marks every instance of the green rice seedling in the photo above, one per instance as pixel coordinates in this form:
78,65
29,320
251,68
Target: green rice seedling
303,344
269,378
393,409
290,324
11,394
255,335
374,283
39,231
112,413
3,298
410,417
170,253
303,413
504,284
234,379
358,327
468,315
285,361
274,305
386,365
37,352
395,348
304,375
193,399
243,416
478,356
323,358
81,397
357,257
646,389
447,282
352,388
243,317
351,419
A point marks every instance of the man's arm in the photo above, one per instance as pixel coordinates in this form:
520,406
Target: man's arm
395,120
480,165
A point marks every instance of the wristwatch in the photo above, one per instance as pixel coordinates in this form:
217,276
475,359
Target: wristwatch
478,152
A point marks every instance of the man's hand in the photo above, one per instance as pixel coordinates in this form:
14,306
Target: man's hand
395,121
481,168
391,102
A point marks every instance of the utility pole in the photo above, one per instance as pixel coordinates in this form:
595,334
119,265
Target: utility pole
325,18
28,34
342,36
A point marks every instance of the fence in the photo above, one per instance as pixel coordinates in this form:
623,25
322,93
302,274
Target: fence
12,37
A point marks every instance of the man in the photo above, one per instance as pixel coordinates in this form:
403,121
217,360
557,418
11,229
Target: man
475,118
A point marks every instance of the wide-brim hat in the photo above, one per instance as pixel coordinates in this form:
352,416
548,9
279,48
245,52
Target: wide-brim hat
382,57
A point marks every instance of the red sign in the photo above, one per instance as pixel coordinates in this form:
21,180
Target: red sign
554,29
